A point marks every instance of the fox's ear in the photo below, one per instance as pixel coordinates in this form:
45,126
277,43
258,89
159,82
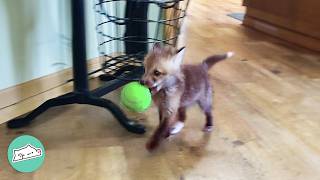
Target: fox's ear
179,56
156,47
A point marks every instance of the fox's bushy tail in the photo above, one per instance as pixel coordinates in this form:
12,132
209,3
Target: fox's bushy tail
212,60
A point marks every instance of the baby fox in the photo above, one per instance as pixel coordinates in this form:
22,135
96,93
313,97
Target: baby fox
175,87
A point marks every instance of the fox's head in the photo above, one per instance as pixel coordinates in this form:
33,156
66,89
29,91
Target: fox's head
162,67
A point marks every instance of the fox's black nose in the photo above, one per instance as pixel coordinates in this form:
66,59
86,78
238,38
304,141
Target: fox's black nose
142,82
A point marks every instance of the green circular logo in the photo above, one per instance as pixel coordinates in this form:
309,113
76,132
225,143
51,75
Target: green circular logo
26,153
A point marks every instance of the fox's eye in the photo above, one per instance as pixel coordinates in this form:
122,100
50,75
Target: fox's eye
156,73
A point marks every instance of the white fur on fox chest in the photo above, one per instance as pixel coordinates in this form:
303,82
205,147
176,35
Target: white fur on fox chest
168,101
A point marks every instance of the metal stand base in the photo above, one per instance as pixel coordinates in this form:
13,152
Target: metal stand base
79,98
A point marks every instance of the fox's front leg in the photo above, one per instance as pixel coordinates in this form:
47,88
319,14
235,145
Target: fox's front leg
162,131
168,107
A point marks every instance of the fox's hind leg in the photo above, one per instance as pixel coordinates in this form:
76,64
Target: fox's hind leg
205,104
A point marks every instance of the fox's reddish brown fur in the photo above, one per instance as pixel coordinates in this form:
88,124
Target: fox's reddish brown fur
175,87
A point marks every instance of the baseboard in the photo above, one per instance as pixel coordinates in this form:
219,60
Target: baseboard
283,33
22,98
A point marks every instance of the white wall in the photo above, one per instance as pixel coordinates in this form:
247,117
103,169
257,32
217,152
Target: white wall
35,38
28,34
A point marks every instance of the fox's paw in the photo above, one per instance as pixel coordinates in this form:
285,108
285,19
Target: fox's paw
176,128
207,128
152,145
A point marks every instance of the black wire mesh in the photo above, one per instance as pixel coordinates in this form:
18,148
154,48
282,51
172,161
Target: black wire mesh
126,29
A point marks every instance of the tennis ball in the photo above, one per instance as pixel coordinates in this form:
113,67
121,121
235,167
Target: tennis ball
135,97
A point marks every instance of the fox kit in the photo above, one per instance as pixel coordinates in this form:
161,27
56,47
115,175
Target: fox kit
174,87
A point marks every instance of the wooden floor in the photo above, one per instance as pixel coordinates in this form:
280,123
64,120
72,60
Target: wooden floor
267,111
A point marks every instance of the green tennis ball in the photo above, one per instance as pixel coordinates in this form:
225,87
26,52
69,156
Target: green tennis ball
135,97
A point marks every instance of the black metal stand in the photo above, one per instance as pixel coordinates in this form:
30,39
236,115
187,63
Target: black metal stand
81,93
137,32
134,29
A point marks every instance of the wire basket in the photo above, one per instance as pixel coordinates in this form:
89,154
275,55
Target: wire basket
127,29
